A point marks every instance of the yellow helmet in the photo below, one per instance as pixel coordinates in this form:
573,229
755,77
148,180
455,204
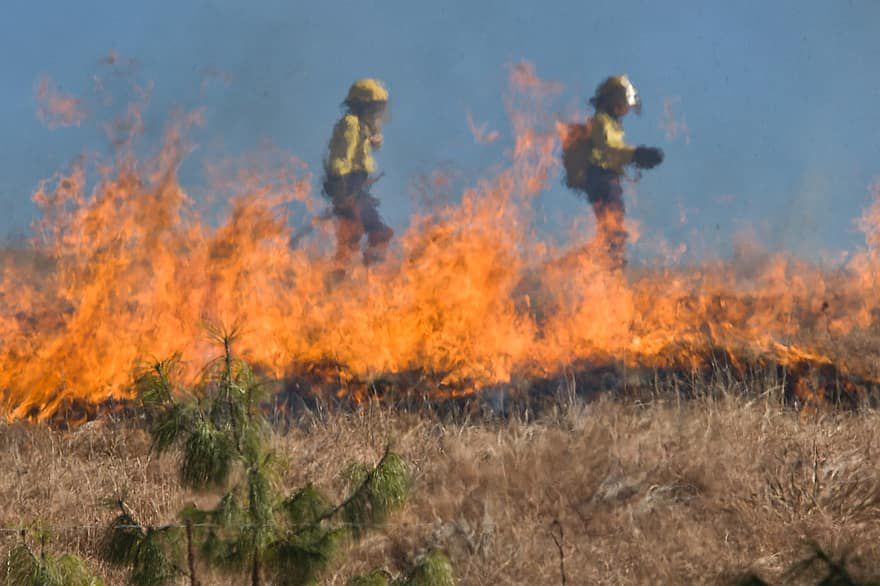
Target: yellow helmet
367,90
618,88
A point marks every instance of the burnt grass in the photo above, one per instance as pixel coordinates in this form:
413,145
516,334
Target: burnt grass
606,474
810,385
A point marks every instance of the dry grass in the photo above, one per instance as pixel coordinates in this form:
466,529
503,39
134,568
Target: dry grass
658,493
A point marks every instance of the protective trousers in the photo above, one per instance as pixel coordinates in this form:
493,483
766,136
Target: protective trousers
356,213
605,194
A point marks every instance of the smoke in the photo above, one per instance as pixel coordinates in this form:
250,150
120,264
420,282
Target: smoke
56,109
213,74
869,222
673,124
480,132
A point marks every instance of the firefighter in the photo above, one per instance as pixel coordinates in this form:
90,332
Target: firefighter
596,161
348,169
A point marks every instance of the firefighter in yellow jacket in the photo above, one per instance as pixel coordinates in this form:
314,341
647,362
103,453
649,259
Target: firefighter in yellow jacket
348,171
601,158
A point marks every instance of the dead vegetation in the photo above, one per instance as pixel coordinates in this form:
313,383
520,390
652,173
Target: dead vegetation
608,492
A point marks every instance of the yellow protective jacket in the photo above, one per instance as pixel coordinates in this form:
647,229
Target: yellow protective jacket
608,149
350,148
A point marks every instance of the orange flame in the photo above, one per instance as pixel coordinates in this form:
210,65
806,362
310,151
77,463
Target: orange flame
128,269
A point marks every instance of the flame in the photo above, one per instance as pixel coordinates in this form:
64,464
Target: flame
124,267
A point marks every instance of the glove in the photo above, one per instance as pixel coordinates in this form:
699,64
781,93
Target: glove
647,157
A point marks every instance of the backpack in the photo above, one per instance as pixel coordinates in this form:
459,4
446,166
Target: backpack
576,147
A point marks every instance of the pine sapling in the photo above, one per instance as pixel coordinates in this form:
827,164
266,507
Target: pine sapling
219,436
26,567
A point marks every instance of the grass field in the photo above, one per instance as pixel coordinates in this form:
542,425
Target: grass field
619,492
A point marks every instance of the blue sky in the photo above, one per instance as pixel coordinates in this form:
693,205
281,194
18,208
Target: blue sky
780,98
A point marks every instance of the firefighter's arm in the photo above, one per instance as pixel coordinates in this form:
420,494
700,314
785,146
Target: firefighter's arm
617,152
343,145
647,157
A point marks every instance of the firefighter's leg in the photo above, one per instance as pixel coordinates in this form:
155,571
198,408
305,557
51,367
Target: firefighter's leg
349,230
616,235
348,238
378,233
606,197
342,191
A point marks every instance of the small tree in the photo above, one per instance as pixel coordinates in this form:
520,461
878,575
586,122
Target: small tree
152,553
26,567
433,569
221,436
